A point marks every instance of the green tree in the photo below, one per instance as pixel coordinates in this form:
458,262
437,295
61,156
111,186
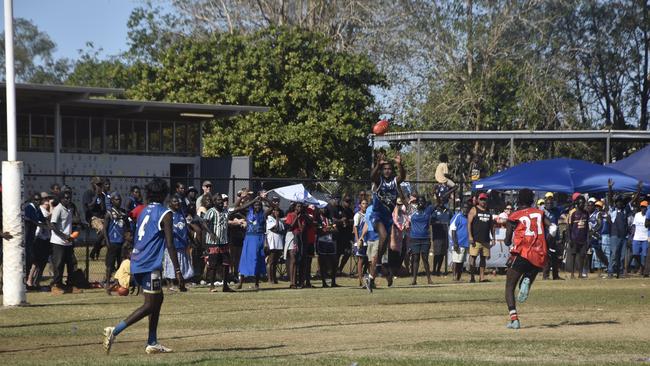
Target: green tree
320,99
33,59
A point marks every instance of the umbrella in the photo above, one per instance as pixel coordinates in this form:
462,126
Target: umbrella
298,193
559,175
636,165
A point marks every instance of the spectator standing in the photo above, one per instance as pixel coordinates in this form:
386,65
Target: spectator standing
357,203
207,189
94,201
640,237
180,193
480,228
420,238
134,199
326,247
62,247
275,232
107,193
42,247
217,242
578,235
181,244
252,259
31,218
459,233
440,232
360,245
343,233
553,241
117,231
619,218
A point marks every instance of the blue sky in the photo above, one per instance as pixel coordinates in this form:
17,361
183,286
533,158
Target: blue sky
72,23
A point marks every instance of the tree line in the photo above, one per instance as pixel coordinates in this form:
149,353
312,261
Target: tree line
330,68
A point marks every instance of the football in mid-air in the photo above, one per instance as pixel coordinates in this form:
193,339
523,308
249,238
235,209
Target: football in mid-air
380,127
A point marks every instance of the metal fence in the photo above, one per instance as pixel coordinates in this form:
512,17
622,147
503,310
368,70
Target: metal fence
95,269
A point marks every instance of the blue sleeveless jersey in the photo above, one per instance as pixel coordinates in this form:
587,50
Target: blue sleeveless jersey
115,230
180,230
384,197
149,247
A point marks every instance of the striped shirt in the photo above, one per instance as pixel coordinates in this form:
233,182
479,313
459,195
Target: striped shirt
218,223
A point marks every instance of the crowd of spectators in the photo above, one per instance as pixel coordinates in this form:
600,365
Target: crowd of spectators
222,246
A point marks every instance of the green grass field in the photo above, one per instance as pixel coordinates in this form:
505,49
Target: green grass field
587,322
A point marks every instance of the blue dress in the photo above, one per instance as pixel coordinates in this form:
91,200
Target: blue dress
252,256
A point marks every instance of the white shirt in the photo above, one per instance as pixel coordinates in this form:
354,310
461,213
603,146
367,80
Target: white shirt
41,232
640,231
62,220
275,241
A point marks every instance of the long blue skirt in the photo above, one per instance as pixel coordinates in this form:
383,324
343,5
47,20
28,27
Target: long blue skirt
252,256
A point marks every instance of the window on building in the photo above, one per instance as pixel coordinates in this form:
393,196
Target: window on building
181,137
96,134
112,134
68,128
154,136
193,137
167,129
22,131
126,130
82,134
140,136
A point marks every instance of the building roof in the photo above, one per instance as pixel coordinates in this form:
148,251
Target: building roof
575,135
76,100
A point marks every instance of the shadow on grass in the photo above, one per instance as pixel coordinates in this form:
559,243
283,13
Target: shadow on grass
567,323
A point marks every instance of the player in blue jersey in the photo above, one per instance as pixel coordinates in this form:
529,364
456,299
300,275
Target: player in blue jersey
385,190
153,233
117,232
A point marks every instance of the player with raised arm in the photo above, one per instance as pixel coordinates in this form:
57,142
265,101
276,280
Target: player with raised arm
154,232
385,190
528,250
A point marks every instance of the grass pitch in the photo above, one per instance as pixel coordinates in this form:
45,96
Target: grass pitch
586,322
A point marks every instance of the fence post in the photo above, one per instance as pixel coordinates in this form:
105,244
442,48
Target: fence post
233,188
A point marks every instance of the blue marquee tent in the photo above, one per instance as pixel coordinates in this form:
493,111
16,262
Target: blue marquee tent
559,175
636,165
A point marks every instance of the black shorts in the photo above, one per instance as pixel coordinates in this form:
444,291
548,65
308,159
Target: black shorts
219,255
578,248
42,251
343,246
326,248
522,265
309,250
113,256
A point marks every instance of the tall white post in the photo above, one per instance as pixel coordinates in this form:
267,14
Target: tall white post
13,268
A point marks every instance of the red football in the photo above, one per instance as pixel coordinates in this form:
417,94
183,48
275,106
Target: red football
380,127
122,291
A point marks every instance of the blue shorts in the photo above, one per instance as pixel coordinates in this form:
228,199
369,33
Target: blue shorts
640,247
382,215
151,282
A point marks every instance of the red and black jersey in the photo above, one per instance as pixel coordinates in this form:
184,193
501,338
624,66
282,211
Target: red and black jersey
528,238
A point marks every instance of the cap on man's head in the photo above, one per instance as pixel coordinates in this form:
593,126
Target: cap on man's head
549,195
575,196
592,200
540,202
96,180
599,203
643,204
45,195
619,198
207,183
224,196
483,196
